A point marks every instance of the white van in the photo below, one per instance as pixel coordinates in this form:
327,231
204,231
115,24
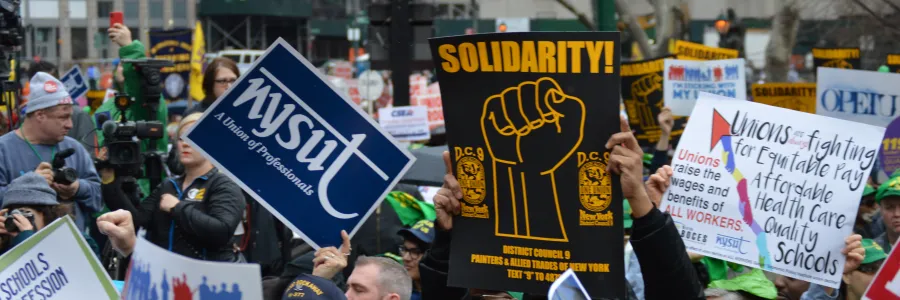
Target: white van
243,58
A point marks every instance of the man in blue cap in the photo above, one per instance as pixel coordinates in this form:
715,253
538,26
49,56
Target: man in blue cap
48,118
416,240
311,287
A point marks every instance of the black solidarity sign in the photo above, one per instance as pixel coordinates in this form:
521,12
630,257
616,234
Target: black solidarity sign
527,117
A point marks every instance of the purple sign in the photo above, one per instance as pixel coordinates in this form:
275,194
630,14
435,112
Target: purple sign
889,156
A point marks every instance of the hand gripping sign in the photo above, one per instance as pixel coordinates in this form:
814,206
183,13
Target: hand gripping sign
305,152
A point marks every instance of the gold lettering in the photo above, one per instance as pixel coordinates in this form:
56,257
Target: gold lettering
450,64
483,58
497,58
546,54
576,47
529,57
510,56
561,56
594,50
467,55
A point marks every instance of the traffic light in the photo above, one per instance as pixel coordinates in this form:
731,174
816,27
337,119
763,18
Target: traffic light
731,32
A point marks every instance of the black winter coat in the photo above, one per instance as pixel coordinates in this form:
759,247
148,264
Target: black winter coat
200,226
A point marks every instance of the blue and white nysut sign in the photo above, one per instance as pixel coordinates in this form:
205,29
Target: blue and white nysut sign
308,154
75,83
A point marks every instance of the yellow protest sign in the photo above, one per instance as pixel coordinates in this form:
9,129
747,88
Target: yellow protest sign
795,96
694,51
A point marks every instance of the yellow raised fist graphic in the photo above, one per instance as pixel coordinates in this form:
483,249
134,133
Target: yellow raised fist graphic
640,92
530,130
838,63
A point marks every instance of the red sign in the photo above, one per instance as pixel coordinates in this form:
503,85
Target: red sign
430,97
886,284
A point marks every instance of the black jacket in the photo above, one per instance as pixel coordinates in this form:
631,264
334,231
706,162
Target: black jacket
266,240
666,267
200,226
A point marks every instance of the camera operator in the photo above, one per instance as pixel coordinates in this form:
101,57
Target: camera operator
48,118
193,215
28,206
82,125
131,49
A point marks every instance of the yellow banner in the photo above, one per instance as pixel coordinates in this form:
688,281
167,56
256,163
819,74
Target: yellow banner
795,96
197,53
694,51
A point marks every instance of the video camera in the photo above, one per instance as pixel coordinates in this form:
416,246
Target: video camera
12,36
122,138
62,174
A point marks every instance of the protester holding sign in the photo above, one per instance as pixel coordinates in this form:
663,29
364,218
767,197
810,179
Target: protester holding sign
193,215
667,274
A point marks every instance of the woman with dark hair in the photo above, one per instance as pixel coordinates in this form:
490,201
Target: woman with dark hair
220,74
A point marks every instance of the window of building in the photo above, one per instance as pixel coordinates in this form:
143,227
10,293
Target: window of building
180,9
156,10
452,11
104,8
131,10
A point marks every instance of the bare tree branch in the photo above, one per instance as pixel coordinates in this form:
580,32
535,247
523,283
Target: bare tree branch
581,16
634,28
782,38
665,25
892,5
877,17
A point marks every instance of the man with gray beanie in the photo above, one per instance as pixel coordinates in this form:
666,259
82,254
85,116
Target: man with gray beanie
48,118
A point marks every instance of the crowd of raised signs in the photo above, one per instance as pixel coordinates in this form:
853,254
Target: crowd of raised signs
400,252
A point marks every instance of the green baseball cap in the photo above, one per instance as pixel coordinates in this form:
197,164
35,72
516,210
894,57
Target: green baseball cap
868,190
887,189
874,252
627,215
884,69
754,283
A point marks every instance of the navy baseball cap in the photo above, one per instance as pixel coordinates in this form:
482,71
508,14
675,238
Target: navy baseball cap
423,230
312,287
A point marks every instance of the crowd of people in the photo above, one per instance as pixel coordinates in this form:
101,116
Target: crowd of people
401,251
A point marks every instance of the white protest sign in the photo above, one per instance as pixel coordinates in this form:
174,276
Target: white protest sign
370,85
770,187
567,287
75,83
55,262
685,79
156,273
405,123
859,96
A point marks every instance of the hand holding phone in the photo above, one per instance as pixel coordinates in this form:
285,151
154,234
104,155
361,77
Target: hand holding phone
116,17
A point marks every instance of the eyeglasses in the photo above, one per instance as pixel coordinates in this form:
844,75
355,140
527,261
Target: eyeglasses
225,81
413,252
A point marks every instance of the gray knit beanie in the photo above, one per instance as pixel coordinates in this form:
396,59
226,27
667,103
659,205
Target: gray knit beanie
29,190
46,92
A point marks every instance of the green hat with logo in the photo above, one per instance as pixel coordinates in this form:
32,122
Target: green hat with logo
868,190
627,215
754,283
888,189
874,252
